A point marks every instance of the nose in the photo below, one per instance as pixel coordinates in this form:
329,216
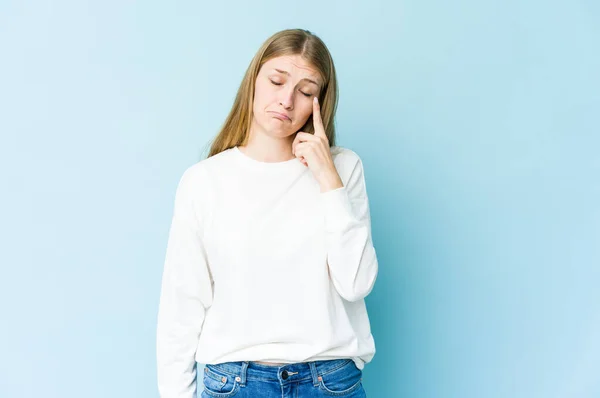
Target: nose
287,99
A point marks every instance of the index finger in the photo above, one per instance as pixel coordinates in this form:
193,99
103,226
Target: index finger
317,120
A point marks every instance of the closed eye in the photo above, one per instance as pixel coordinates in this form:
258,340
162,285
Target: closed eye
279,84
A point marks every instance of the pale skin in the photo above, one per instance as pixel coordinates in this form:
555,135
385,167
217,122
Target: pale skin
290,86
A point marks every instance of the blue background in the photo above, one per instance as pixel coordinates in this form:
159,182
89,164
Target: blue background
477,122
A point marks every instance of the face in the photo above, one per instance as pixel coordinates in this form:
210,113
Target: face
283,99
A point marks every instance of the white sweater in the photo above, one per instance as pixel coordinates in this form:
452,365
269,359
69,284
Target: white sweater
262,266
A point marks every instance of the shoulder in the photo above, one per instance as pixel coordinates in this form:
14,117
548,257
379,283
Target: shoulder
345,159
201,170
344,153
196,181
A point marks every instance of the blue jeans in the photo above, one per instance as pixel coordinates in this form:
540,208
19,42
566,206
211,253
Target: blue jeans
247,379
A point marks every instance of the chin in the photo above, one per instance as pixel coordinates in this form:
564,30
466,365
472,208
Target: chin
277,127
281,133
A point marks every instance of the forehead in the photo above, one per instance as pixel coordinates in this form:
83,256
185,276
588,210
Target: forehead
294,64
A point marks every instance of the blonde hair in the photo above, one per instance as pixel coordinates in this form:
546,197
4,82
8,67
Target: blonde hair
235,129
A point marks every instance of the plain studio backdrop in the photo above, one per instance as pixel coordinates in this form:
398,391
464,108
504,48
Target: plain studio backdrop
478,125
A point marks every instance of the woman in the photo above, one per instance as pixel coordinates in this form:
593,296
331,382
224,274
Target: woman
270,254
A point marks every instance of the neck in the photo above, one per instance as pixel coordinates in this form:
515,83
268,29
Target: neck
266,148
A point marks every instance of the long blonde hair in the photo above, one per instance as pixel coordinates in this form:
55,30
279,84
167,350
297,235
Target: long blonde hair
235,129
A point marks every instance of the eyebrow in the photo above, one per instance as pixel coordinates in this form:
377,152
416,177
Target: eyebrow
288,73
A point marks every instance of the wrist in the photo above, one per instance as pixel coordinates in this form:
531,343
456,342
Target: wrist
330,182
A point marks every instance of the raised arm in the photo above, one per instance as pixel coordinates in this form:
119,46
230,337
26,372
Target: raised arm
351,256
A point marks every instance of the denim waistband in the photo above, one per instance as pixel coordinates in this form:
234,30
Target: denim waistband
300,371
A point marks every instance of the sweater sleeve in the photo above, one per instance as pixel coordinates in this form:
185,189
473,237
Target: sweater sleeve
186,293
351,256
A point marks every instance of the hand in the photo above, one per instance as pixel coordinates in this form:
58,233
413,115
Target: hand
314,152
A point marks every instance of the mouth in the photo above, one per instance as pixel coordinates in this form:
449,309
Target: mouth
280,116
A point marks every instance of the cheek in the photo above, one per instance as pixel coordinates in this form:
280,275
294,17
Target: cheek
260,93
259,104
306,112
263,100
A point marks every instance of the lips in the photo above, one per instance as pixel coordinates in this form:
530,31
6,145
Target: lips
280,116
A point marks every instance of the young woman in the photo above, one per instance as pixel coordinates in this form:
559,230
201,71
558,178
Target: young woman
270,254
